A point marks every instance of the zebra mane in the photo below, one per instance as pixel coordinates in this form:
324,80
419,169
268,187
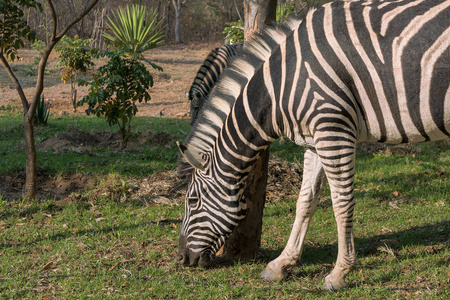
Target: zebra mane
224,94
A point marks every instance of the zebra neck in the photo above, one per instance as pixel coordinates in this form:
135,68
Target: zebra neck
246,132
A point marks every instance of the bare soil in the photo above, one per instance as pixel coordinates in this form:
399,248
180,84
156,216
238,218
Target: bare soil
180,64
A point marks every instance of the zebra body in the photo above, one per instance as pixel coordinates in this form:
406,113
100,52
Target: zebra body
208,74
351,71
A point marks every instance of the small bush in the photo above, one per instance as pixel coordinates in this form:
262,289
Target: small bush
115,89
73,59
234,32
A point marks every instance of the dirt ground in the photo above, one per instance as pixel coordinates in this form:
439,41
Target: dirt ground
180,64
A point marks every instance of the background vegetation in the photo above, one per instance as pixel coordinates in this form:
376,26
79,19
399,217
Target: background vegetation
201,20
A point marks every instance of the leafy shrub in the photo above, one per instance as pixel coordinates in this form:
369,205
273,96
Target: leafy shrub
38,46
73,59
13,28
115,89
284,10
234,32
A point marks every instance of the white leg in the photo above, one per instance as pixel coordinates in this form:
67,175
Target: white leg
307,203
339,166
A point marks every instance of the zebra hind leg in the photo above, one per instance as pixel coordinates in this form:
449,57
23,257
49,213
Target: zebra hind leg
313,177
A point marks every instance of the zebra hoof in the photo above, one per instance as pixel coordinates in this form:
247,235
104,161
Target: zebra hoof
333,285
270,275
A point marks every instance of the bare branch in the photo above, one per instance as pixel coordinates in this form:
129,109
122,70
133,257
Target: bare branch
237,10
86,10
54,39
16,82
54,18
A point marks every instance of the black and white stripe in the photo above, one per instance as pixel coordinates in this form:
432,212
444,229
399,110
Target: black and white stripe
351,71
208,74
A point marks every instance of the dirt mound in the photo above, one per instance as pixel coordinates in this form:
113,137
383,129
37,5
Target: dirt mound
284,180
78,140
58,187
154,139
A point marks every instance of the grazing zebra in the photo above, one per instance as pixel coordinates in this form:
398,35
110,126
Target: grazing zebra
208,74
351,71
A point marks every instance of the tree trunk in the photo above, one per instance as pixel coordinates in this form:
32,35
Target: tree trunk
73,94
259,13
245,240
30,169
177,26
178,4
31,176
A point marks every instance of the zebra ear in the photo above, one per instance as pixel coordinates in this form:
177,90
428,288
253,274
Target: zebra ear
195,159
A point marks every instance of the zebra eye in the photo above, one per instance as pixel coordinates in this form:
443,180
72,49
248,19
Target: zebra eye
192,201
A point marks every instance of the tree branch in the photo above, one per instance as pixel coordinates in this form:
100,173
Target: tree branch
16,82
53,40
237,10
86,10
54,18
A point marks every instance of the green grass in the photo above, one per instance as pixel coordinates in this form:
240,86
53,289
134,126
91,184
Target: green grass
97,247
132,161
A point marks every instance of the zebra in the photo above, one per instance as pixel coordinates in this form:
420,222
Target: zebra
349,72
208,74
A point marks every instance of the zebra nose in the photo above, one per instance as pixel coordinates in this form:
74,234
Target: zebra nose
183,258
183,251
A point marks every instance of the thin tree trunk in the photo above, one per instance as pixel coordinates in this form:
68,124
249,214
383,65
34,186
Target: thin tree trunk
177,26
30,169
31,177
73,94
178,4
245,240
259,13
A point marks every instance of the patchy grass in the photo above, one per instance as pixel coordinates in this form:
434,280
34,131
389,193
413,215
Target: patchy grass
144,156
98,245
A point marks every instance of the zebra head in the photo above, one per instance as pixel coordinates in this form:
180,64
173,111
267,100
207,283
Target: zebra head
213,208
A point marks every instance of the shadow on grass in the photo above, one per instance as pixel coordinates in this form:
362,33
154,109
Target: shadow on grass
326,255
323,257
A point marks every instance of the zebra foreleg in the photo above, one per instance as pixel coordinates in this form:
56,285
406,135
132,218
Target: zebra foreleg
339,166
307,203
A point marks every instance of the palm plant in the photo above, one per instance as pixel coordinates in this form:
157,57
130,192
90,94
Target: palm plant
134,31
